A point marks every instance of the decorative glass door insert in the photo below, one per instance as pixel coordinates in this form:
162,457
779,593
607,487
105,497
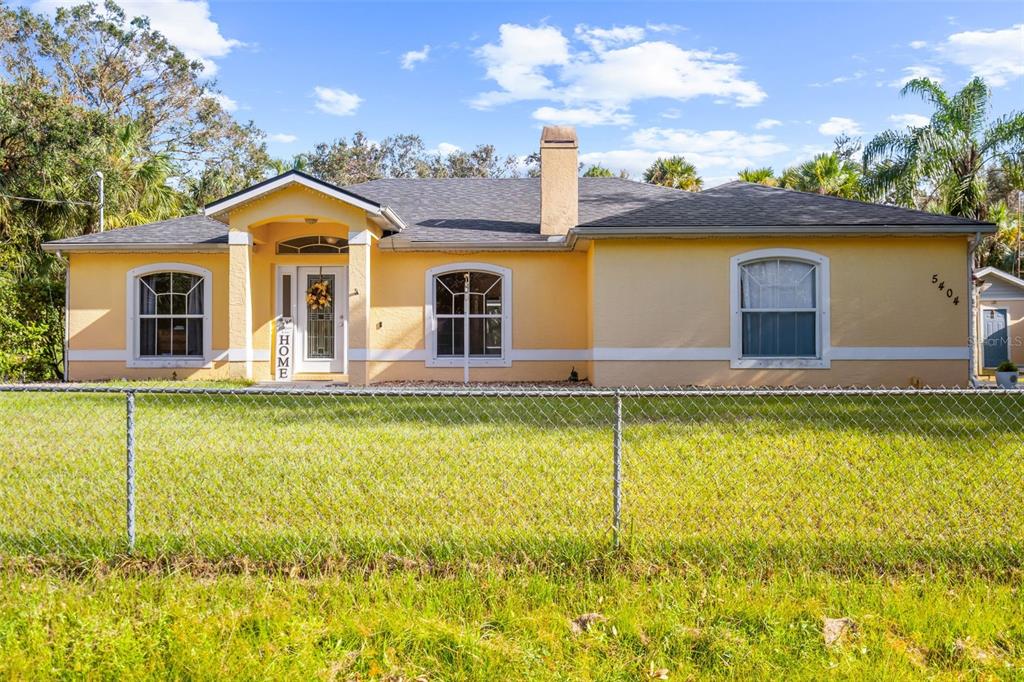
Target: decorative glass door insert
320,318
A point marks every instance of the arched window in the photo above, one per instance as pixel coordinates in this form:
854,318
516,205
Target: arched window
780,300
469,315
313,244
169,315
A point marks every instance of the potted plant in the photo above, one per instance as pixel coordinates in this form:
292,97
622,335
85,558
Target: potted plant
1006,375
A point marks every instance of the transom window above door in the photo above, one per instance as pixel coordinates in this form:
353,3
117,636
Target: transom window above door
469,316
313,244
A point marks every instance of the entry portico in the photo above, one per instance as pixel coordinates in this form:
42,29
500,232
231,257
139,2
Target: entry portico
284,237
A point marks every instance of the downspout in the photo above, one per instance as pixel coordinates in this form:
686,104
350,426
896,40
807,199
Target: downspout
67,314
465,331
101,202
972,378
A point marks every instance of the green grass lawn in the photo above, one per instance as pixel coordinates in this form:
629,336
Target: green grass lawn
506,625
340,537
870,481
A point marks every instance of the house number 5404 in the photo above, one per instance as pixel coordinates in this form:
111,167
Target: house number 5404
950,294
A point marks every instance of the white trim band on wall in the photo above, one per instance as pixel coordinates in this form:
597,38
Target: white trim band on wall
241,355
421,355
122,355
887,353
387,355
881,353
900,353
656,354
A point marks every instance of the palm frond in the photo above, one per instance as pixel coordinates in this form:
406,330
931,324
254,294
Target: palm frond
928,89
1004,138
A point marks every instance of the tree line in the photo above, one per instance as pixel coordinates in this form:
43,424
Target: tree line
89,90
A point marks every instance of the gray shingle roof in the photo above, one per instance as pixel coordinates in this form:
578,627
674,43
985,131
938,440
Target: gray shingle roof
461,209
190,229
490,210
740,203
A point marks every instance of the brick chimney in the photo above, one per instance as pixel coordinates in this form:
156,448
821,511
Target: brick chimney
559,181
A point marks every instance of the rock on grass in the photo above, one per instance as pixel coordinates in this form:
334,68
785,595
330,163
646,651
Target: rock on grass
581,624
838,630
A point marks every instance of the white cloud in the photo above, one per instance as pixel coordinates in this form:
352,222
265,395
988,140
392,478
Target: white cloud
918,44
615,68
665,28
684,141
283,138
226,103
185,23
582,116
411,58
838,125
516,63
336,101
767,124
601,38
723,152
446,148
855,76
657,69
997,56
909,120
917,71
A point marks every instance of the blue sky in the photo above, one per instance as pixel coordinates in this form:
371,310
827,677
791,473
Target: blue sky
727,84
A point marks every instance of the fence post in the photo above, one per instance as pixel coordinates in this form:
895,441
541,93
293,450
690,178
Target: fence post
617,471
130,468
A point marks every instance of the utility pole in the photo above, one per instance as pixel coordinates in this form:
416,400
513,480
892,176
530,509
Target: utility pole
100,176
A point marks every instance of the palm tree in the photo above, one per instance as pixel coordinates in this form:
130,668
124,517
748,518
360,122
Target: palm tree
137,182
598,171
829,173
279,166
945,159
1000,249
759,176
675,171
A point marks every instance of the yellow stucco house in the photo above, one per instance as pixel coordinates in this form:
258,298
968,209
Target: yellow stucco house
525,279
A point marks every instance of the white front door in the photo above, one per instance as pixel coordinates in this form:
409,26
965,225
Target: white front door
321,329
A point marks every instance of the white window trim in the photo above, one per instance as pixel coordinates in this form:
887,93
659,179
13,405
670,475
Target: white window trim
132,317
430,321
823,357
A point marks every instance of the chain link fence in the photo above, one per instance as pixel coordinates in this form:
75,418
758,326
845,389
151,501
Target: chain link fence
876,478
